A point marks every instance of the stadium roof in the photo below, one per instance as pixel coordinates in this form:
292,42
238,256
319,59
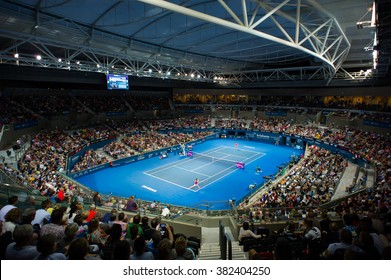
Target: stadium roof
243,43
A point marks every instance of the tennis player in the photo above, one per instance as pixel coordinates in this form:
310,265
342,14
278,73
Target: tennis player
196,183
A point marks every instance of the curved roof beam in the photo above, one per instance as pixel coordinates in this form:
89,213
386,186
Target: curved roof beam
334,60
55,5
162,16
108,10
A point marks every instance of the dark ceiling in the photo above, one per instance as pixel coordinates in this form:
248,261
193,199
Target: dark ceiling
248,43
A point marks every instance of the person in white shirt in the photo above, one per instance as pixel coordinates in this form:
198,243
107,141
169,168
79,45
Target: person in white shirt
246,232
11,204
42,216
311,232
166,211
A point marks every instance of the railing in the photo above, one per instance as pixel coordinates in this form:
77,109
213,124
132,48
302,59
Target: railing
2,131
11,189
6,179
225,243
338,201
23,148
208,206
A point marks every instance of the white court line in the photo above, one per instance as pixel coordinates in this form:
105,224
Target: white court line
237,149
244,157
159,178
193,171
222,148
148,188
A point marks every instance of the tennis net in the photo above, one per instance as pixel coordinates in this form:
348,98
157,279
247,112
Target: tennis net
216,160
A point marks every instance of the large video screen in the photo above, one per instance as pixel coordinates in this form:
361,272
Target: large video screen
117,82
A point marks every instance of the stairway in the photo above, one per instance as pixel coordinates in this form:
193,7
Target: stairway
211,251
237,251
210,248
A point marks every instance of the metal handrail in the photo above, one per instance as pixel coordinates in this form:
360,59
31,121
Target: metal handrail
225,243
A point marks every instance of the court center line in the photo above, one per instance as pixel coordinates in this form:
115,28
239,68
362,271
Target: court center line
218,178
192,171
207,164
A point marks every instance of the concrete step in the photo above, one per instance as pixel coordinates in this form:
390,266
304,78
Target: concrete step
211,251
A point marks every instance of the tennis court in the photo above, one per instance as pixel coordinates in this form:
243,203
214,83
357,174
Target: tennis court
209,167
170,180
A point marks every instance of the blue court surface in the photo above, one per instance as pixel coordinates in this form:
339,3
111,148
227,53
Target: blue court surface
214,164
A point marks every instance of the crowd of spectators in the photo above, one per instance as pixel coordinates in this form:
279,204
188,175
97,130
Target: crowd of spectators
13,113
321,238
48,106
310,183
177,123
231,123
378,117
283,101
148,103
98,132
304,188
272,125
193,109
49,149
104,103
62,103
56,232
89,160
126,126
151,141
118,150
46,157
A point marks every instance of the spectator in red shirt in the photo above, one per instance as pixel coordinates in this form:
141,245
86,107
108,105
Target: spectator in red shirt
91,213
60,195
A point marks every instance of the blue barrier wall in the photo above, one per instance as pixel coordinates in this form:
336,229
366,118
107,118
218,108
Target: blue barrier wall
377,124
25,124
